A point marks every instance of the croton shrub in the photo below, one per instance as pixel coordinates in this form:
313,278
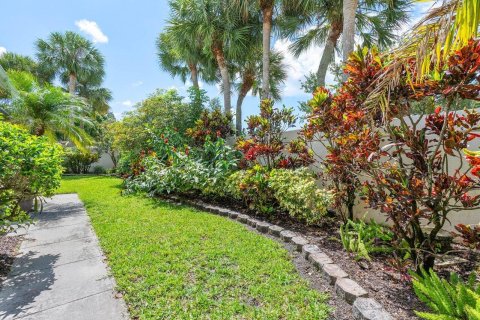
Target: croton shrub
30,168
342,126
297,193
265,144
407,169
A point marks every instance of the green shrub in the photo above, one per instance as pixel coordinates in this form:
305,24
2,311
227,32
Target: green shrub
252,187
77,161
30,167
297,192
99,170
453,299
202,171
365,238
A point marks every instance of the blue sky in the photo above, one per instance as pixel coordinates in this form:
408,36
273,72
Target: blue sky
125,32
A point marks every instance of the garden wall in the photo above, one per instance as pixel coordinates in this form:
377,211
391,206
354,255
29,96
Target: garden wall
465,217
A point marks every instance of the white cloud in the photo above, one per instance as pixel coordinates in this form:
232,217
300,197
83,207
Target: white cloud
127,103
3,50
137,84
91,28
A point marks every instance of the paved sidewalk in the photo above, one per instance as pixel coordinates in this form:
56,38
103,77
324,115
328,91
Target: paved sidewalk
60,271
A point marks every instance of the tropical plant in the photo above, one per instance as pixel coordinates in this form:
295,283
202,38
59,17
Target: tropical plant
445,29
297,192
250,75
341,126
364,239
252,187
249,8
30,168
266,144
71,56
349,11
470,235
47,110
452,299
322,25
180,57
211,125
414,177
203,171
219,29
15,62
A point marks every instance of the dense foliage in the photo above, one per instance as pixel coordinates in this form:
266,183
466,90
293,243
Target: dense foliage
297,193
266,145
30,168
79,161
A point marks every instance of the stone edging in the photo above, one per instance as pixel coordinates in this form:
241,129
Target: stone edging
364,308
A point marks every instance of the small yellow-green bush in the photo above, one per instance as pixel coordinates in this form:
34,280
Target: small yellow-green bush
297,192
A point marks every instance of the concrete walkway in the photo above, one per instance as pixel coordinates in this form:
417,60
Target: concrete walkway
60,272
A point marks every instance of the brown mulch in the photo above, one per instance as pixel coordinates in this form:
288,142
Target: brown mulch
391,288
8,249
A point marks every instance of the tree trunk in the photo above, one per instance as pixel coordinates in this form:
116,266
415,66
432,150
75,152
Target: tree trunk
267,12
217,51
72,83
247,82
194,75
329,52
349,13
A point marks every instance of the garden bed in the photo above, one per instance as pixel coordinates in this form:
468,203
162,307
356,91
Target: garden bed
384,284
8,249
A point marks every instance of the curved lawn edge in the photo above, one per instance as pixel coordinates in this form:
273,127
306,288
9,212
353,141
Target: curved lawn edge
177,262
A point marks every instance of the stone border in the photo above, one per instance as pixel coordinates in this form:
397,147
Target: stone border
364,308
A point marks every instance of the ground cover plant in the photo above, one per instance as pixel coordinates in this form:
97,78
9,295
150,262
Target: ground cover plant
177,262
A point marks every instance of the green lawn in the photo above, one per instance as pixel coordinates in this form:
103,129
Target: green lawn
180,263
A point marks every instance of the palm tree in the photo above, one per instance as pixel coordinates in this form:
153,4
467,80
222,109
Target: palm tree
47,111
249,70
267,7
72,54
181,58
443,30
220,30
349,10
322,24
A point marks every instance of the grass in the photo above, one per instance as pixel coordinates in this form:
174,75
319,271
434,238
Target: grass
180,263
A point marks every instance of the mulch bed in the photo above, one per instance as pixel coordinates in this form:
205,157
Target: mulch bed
385,284
8,249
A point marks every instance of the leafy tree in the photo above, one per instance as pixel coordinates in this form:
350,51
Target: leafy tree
321,24
17,62
72,55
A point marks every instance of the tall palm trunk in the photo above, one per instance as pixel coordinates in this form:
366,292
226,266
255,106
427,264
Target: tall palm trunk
247,82
349,13
267,12
72,83
329,51
194,74
217,51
